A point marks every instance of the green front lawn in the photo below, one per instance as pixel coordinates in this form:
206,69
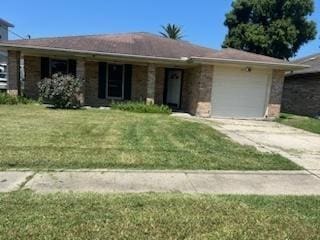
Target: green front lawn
305,123
39,138
25,215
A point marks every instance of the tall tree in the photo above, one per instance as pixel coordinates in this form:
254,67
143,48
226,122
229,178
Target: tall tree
172,31
276,28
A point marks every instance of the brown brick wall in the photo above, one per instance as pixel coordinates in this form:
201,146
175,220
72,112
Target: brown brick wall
205,90
139,83
301,95
189,92
92,84
197,88
32,68
196,92
274,106
160,82
81,74
14,72
151,84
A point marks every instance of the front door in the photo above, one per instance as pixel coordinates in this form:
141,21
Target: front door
173,87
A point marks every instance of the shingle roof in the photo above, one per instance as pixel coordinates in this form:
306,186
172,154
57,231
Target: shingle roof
140,44
230,53
6,23
312,60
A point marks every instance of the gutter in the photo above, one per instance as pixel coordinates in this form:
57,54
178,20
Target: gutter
66,50
284,66
298,73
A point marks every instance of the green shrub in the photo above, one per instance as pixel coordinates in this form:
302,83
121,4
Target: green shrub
141,107
13,100
61,91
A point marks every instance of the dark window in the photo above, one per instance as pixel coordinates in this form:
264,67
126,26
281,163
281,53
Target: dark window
127,81
102,80
115,81
72,67
45,67
59,66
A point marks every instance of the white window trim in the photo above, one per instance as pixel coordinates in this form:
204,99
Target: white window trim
107,85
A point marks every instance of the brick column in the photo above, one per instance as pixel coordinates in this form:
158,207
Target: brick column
32,69
274,106
151,84
203,108
81,71
14,73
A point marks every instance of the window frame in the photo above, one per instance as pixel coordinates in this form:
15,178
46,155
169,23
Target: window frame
122,83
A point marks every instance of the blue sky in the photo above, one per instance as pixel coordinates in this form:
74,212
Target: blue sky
202,20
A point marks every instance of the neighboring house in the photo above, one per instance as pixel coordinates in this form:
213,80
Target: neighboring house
4,26
143,66
301,92
3,58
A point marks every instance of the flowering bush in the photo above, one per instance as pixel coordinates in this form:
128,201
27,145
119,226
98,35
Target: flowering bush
62,91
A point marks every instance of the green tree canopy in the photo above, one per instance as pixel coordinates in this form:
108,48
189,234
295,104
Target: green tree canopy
172,31
276,28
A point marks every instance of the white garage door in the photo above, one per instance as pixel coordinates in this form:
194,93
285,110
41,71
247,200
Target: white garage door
238,93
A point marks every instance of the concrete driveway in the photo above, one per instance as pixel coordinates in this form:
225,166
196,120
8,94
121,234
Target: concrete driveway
299,146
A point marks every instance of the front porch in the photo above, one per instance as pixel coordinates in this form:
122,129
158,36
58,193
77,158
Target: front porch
183,87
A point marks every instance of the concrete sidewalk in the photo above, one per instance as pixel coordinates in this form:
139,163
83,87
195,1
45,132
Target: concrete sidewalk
118,181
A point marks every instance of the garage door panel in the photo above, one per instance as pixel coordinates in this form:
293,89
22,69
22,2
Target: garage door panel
238,83
232,97
239,94
243,102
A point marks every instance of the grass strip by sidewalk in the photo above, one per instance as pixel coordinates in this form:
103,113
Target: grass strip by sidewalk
25,215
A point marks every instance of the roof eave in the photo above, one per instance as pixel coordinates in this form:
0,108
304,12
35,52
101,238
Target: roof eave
4,22
182,60
281,66
303,73
17,47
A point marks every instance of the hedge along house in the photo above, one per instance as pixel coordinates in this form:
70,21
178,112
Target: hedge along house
142,66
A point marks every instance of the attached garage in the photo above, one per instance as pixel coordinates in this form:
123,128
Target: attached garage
240,92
